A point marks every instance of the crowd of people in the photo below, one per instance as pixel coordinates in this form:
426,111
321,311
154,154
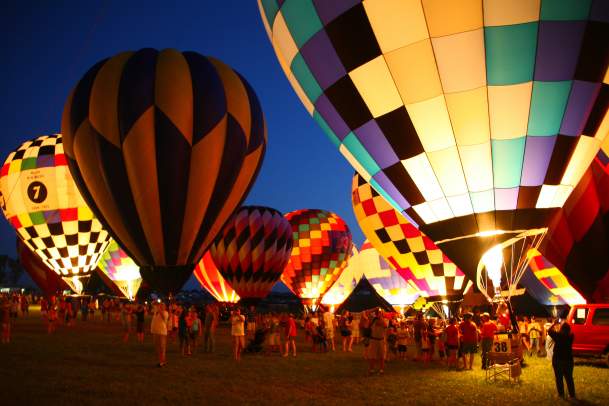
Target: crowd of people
451,342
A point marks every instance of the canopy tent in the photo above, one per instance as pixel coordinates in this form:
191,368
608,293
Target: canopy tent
364,297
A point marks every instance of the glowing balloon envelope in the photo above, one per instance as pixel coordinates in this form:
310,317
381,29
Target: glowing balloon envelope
410,252
164,146
40,200
121,270
474,119
210,278
45,278
322,244
252,251
346,282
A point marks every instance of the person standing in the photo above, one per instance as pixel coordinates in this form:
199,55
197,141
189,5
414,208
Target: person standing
328,320
377,346
469,340
452,343
5,320
209,328
158,328
534,335
139,322
487,334
290,335
237,331
562,357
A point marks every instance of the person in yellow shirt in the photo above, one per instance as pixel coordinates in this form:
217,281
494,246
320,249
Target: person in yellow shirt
534,330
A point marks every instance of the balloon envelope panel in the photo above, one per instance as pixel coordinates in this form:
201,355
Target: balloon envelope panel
121,269
466,116
42,203
387,282
322,244
210,278
577,241
405,248
346,282
252,250
165,146
45,278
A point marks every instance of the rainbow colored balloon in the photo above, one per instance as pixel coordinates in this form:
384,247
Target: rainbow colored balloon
121,270
322,244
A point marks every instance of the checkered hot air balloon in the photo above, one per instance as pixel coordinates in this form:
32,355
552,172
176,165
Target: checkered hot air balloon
474,119
45,278
40,200
121,270
322,244
252,250
408,250
387,282
346,282
209,277
164,145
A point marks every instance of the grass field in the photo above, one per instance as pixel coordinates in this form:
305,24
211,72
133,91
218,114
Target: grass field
88,364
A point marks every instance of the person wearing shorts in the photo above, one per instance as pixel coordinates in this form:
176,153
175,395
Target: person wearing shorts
469,340
377,347
452,343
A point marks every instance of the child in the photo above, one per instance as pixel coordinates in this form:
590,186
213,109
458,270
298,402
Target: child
402,341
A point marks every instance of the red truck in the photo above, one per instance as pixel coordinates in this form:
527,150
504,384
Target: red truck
590,324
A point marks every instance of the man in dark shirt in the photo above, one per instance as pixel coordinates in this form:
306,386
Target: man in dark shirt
562,358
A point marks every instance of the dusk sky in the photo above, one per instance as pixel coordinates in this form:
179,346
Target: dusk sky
48,46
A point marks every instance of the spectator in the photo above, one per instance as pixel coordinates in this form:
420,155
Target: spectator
562,358
469,340
238,333
209,328
158,328
5,320
328,320
140,312
377,346
452,343
345,332
290,336
534,336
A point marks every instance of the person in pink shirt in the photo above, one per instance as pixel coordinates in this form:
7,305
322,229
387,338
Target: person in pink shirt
290,336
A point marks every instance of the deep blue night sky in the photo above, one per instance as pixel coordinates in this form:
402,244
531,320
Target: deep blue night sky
48,45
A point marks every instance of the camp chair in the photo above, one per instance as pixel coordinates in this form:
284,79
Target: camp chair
503,366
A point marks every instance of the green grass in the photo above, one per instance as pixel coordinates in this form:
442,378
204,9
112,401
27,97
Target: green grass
88,364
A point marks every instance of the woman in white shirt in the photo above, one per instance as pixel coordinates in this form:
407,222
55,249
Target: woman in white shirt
237,330
158,328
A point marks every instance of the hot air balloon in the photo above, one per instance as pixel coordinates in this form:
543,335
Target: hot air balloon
322,244
577,241
121,269
346,282
547,284
406,248
474,119
45,278
40,200
164,146
252,250
387,282
209,277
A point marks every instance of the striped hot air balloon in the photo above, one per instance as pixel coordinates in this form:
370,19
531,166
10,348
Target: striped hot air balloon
209,277
474,119
406,248
40,200
322,244
252,251
164,146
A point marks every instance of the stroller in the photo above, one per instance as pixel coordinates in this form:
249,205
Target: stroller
256,344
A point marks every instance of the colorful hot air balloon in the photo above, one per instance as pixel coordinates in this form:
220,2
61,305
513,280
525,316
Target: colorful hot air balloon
121,269
45,278
547,284
209,277
346,282
407,249
577,241
322,244
42,203
252,250
387,282
474,119
164,146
